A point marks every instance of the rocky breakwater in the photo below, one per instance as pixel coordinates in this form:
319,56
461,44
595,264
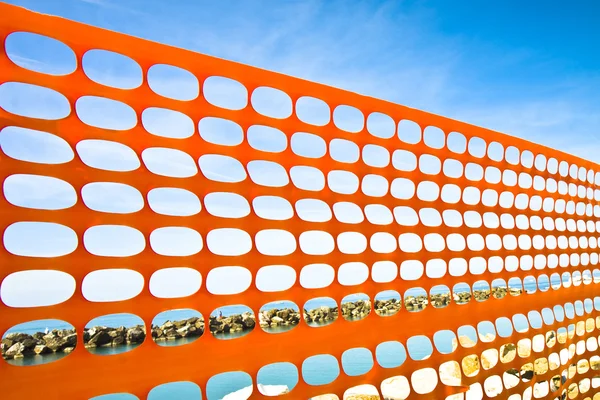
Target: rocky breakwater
103,336
415,303
356,309
321,315
277,317
440,300
387,307
233,323
173,330
19,345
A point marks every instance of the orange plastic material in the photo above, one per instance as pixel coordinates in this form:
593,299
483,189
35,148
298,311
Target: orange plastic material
82,375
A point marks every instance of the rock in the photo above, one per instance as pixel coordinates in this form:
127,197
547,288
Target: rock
15,351
100,338
42,349
135,335
273,390
67,350
275,321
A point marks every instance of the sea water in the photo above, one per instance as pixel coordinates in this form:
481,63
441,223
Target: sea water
388,353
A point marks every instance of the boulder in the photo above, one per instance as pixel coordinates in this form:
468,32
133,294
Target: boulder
135,335
67,350
15,351
100,338
275,321
42,349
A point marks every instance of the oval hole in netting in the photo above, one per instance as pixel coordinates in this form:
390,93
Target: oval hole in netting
114,334
38,342
108,285
40,53
177,327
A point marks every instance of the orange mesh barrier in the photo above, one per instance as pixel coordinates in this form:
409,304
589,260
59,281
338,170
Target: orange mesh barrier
524,211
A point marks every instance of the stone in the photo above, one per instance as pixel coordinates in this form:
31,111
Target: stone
42,349
67,350
135,335
276,321
15,351
100,338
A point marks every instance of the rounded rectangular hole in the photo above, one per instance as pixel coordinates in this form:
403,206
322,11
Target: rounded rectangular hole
107,155
481,290
409,131
275,278
175,241
316,276
115,284
375,156
169,162
235,385
39,239
33,101
356,307
226,205
445,341
220,131
35,146
415,299
112,197
404,160
231,322
268,173
181,390
348,118
271,102
114,334
381,125
275,242
388,302
173,82
313,210
307,178
344,151
167,123
277,379
266,138
228,280
308,145
113,241
272,208
39,192
320,311
320,369
38,342
357,361
104,113
225,93
40,53
279,316
419,347
177,327
112,69
439,296
221,168
175,282
390,354
174,202
343,182
461,293
313,111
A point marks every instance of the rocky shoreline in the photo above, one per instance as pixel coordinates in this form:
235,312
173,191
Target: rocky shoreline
321,315
104,336
387,307
354,310
185,328
234,323
20,345
278,317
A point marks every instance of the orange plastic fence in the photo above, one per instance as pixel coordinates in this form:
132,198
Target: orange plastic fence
561,206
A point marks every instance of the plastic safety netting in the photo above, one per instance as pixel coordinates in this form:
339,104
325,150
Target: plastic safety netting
485,244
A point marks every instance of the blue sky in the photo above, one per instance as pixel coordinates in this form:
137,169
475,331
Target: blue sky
527,70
